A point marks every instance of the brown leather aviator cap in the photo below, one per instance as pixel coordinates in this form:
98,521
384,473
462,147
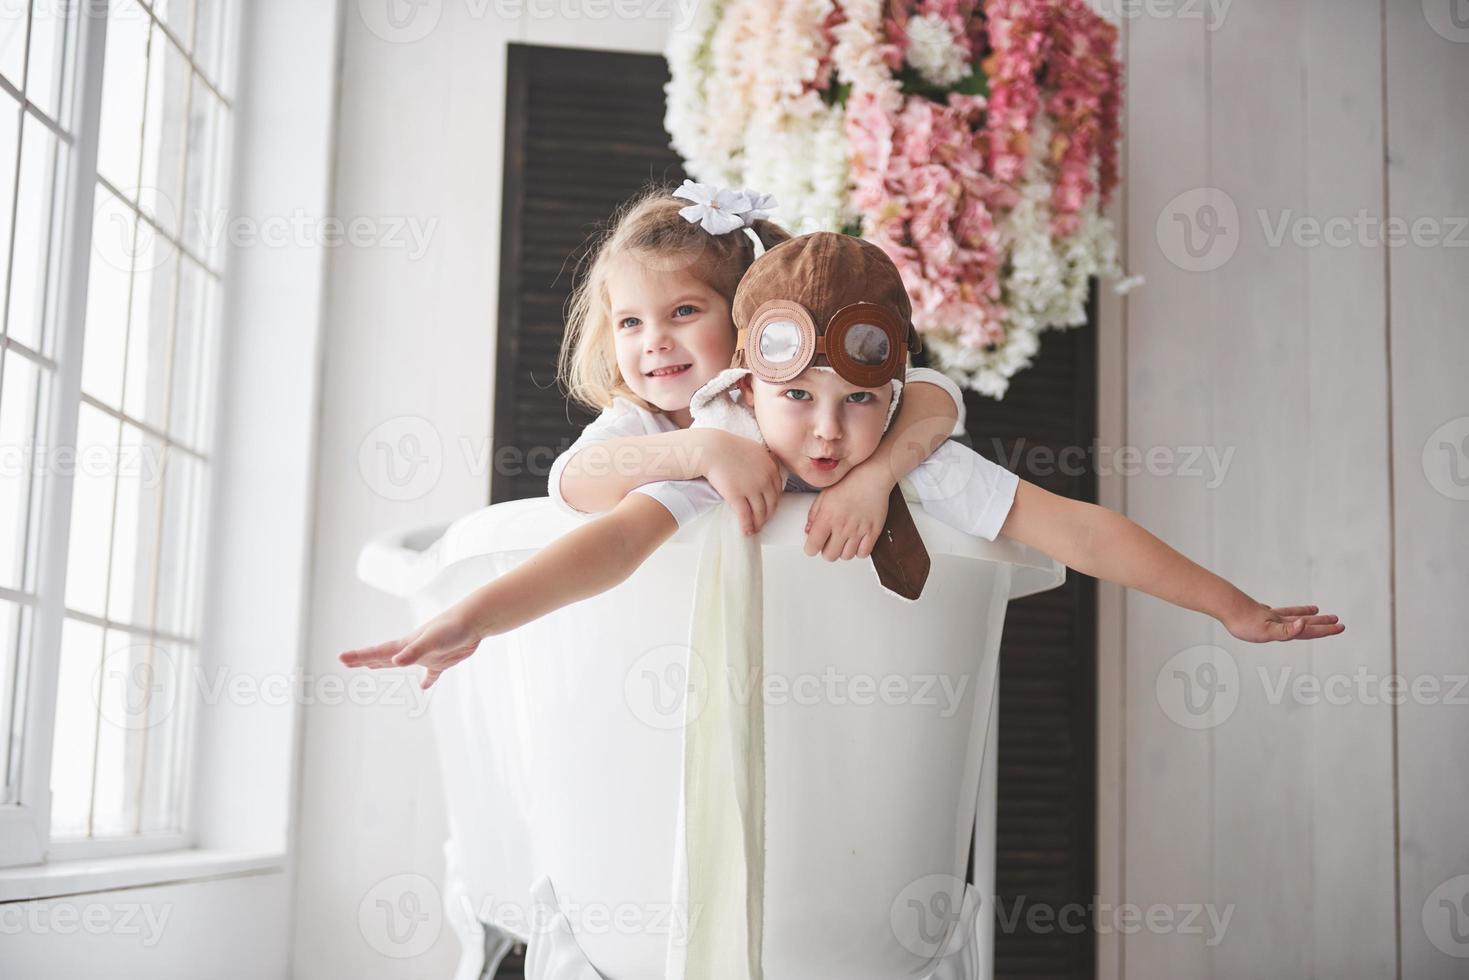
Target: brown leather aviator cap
831,300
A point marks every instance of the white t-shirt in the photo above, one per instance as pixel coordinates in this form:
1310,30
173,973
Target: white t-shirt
955,484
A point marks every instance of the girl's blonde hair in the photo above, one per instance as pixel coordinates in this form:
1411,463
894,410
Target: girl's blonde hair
650,227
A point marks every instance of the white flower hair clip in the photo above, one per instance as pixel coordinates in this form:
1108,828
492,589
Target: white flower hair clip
720,210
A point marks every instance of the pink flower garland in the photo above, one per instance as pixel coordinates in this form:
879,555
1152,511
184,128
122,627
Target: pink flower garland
920,183
934,180
1019,45
1079,77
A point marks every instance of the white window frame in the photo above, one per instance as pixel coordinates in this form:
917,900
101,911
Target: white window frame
25,825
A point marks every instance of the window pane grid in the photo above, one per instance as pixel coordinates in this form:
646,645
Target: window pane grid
25,393
32,280
24,397
127,705
207,74
138,543
37,43
173,444
15,29
49,58
134,569
17,624
157,230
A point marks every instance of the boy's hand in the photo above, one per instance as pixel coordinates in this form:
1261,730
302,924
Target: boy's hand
846,517
746,475
1261,624
440,644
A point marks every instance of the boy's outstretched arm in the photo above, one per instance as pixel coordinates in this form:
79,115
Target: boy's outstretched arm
1106,545
578,565
845,518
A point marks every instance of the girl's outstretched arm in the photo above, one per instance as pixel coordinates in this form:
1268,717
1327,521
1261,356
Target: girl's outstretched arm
581,563
1106,545
846,518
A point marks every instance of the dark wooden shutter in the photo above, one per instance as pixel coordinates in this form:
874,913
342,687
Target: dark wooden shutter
1046,835
583,132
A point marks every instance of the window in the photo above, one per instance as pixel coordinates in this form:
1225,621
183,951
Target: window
112,195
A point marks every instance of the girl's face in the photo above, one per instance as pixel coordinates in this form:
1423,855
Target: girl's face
819,425
671,331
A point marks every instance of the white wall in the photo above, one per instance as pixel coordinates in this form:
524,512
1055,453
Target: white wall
1327,371
409,337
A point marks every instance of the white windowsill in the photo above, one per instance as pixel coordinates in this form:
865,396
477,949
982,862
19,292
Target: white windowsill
105,874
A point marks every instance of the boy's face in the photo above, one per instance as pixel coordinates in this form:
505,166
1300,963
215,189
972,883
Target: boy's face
817,424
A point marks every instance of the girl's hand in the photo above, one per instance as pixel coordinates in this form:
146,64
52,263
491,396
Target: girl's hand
439,644
1259,623
846,518
746,475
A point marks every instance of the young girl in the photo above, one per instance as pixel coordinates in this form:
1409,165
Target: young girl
821,417
650,324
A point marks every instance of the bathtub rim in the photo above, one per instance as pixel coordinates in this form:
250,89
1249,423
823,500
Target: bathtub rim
406,560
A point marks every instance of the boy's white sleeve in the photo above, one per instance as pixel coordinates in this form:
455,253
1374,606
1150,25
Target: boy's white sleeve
685,499
945,382
611,424
964,489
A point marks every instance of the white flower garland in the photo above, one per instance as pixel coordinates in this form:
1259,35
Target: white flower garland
690,64
934,52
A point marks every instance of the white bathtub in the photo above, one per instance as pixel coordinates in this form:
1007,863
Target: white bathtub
559,759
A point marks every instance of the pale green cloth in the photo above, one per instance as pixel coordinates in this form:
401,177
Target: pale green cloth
719,861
